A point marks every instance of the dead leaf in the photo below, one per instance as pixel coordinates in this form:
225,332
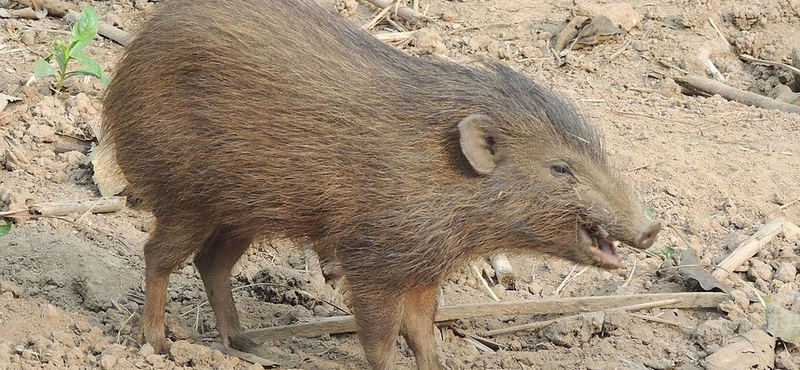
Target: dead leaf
694,272
752,350
5,99
570,31
782,323
601,29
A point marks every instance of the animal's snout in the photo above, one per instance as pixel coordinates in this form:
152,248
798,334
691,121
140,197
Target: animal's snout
647,234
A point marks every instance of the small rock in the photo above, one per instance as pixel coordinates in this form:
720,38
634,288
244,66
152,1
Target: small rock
140,4
429,41
146,350
786,272
574,332
7,286
322,311
42,133
299,314
184,353
744,326
448,15
713,331
535,288
759,270
531,52
74,357
621,15
107,362
740,298
73,157
188,270
155,360
50,312
346,7
28,37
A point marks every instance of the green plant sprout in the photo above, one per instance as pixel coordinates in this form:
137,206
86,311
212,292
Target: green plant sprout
666,252
83,32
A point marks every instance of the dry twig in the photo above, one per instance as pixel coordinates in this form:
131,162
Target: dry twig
347,324
484,283
409,14
249,357
541,324
663,321
750,59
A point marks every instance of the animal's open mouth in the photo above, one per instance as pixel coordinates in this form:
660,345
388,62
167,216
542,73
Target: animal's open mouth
597,241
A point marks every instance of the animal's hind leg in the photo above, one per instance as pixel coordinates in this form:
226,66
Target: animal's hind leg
167,247
215,262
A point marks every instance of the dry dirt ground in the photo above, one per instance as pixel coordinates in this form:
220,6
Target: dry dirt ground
71,288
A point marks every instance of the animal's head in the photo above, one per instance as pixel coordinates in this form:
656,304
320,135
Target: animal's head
546,170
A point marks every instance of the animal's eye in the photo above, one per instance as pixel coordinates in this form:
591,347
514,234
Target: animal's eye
561,169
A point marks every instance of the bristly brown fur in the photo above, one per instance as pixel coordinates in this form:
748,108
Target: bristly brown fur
242,119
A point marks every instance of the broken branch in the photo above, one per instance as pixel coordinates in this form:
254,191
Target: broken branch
95,205
697,84
503,270
751,246
541,324
347,324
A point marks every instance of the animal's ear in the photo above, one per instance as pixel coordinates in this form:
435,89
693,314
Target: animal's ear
477,143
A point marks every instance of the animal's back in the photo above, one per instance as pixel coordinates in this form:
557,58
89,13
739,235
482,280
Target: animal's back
231,108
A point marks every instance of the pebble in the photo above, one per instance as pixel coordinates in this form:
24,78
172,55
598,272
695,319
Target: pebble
448,15
759,270
50,312
107,362
188,270
42,133
146,350
740,298
786,272
28,37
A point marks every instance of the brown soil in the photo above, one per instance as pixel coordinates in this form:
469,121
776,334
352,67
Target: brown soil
70,289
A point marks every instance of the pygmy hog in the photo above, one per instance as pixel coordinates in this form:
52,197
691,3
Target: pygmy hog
235,120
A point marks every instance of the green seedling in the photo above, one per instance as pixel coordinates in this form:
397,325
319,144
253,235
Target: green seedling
83,32
5,229
649,211
666,252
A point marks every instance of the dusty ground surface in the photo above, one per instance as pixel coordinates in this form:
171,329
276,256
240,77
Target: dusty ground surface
71,288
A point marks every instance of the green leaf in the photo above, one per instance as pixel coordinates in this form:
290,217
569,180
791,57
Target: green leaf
649,211
81,73
4,229
58,52
84,30
89,68
42,68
